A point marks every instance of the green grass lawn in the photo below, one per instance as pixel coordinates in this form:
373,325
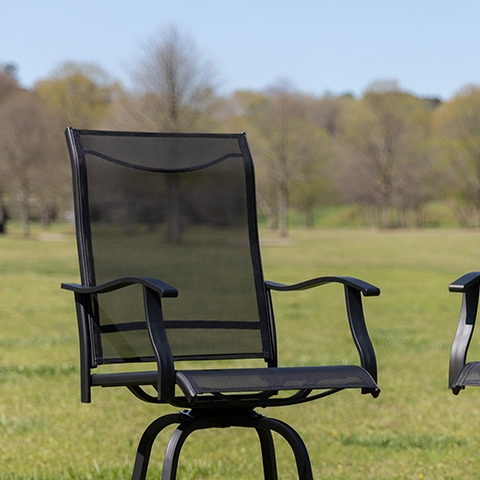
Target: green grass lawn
416,428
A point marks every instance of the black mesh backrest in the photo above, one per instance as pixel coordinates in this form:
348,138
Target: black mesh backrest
180,208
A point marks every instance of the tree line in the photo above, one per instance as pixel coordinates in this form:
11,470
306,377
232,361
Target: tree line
389,153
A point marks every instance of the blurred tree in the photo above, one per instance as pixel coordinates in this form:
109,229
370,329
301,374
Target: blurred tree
174,90
30,149
326,111
10,69
8,85
175,85
382,151
289,150
457,128
81,93
313,186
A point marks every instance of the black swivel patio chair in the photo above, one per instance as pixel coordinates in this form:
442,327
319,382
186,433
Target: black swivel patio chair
170,272
462,373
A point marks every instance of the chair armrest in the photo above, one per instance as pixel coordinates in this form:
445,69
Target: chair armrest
464,282
367,289
469,285
356,318
158,286
153,291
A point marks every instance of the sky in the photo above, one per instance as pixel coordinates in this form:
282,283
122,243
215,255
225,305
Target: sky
431,48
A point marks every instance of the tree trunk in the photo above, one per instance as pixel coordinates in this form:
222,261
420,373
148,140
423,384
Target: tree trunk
173,227
24,214
3,215
283,209
310,217
45,213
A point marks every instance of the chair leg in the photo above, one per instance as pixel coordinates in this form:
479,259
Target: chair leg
302,458
146,443
181,433
268,454
189,423
172,454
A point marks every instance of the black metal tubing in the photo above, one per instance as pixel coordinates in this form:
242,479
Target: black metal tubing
80,198
356,318
254,400
360,335
83,307
268,329
367,289
268,453
273,362
161,347
192,421
146,443
469,285
154,284
154,290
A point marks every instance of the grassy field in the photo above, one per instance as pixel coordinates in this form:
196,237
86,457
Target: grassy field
416,429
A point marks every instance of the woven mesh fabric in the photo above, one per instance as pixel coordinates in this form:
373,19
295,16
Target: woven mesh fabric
259,379
469,375
178,208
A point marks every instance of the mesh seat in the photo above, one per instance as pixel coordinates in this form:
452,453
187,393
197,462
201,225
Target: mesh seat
171,271
195,382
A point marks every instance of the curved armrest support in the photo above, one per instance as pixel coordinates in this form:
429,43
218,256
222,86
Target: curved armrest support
353,287
153,291
468,285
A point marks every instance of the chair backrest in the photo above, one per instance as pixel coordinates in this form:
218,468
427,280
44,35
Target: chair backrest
180,208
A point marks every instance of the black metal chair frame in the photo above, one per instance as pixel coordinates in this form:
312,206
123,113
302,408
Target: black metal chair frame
209,409
190,421
468,285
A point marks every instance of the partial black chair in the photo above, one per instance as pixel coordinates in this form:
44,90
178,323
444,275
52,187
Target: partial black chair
463,374
170,272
